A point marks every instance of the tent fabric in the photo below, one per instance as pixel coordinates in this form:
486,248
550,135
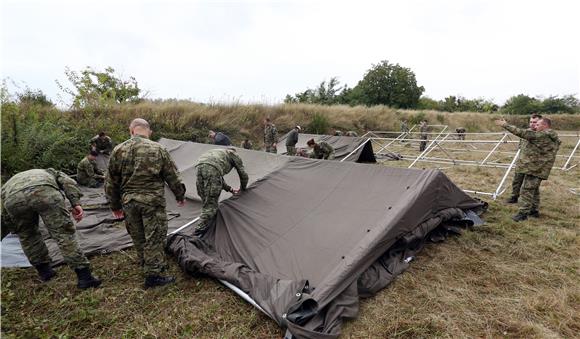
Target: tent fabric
355,149
314,236
308,238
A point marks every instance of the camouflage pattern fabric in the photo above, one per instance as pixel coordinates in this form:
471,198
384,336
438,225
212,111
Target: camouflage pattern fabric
23,204
246,145
322,151
138,170
270,137
539,153
102,145
135,182
404,127
211,168
530,194
209,185
88,174
517,184
147,226
290,150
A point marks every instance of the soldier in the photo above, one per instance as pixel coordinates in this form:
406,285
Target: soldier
270,136
37,192
246,144
519,177
337,133
460,133
535,162
404,129
351,134
135,186
321,151
211,168
423,128
292,140
102,143
219,138
87,172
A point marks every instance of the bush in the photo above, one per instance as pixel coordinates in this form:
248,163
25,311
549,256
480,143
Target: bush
319,124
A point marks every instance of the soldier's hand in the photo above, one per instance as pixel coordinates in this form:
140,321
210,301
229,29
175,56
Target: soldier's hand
118,214
236,191
78,213
180,203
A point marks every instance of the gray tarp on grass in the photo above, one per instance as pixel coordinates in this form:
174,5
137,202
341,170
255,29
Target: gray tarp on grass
345,148
308,238
314,236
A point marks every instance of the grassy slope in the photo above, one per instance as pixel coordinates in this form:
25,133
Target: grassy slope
501,279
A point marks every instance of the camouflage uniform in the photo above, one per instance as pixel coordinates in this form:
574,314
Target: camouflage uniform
535,162
291,141
424,136
460,133
211,168
88,174
135,182
34,193
322,151
246,144
102,145
270,137
518,179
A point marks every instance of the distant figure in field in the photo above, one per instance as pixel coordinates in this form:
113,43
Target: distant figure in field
460,131
351,134
102,143
270,136
338,133
404,129
423,129
247,144
219,138
292,140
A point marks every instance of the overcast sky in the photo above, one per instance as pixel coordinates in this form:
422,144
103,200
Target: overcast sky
259,51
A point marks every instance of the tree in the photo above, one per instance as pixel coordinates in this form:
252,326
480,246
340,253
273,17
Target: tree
391,85
94,88
33,97
521,104
327,93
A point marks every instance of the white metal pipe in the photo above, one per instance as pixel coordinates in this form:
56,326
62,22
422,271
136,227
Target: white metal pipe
505,175
184,226
493,150
427,150
571,154
243,294
356,149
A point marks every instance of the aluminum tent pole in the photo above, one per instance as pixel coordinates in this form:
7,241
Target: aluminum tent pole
425,151
496,194
184,226
493,150
356,149
565,167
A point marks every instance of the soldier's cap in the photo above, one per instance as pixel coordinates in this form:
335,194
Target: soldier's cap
310,142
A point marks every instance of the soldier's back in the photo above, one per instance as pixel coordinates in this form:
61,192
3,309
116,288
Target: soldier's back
27,179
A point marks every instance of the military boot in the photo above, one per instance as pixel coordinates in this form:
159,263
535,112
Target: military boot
86,279
519,217
157,280
45,271
534,214
512,200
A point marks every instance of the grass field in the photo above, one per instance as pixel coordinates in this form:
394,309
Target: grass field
502,279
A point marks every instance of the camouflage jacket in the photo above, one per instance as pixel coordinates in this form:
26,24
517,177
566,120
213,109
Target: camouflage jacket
87,170
224,160
404,127
42,177
424,129
539,152
270,134
138,170
102,145
322,151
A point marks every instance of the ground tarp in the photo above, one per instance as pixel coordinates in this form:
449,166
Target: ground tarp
345,148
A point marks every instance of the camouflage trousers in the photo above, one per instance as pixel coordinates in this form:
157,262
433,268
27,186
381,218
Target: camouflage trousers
271,149
423,143
24,209
530,194
147,226
290,150
517,184
209,186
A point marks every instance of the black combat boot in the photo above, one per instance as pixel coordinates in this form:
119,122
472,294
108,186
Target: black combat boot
157,280
519,217
534,214
45,271
86,279
512,200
